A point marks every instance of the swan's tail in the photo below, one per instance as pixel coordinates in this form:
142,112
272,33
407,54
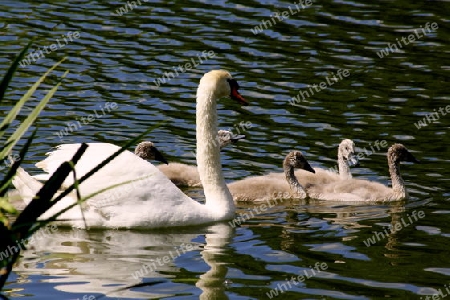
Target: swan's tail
26,185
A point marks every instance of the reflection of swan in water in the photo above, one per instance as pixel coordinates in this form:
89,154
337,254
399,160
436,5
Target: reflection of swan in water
102,262
212,282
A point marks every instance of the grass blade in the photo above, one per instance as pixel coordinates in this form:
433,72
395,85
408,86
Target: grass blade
16,109
10,73
31,118
13,169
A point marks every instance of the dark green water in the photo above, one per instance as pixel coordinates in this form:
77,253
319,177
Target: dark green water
119,58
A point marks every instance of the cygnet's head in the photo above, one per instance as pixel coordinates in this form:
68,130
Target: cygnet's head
227,137
221,84
146,150
347,151
397,153
296,159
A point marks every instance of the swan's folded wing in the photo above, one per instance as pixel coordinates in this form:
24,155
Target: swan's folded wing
145,181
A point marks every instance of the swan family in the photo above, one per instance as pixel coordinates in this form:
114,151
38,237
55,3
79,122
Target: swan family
147,196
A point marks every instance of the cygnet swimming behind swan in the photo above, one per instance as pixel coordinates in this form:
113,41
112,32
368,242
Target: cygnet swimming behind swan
364,190
346,159
267,187
187,175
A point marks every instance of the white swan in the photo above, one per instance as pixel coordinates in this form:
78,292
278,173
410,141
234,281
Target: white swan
187,175
364,190
267,187
346,159
152,200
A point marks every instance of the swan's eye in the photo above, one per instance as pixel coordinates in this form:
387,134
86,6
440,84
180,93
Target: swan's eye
233,83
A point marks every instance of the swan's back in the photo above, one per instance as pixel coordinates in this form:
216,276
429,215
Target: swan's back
124,167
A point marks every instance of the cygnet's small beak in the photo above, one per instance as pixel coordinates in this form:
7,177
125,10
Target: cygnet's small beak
308,167
353,160
159,156
411,158
235,138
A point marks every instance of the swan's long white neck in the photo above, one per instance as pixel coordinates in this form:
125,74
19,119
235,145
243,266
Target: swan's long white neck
344,169
218,198
398,185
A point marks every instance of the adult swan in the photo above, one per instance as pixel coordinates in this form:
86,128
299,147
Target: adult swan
153,200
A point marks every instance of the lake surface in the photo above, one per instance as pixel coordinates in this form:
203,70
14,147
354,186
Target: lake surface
117,63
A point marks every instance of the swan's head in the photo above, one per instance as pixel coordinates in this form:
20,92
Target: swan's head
146,150
347,151
397,153
295,159
227,137
221,84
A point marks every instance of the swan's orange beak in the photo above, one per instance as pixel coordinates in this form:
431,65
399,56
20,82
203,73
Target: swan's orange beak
234,94
238,97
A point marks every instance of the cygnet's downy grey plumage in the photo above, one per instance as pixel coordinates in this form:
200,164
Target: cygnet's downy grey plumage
267,187
346,159
187,175
364,190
